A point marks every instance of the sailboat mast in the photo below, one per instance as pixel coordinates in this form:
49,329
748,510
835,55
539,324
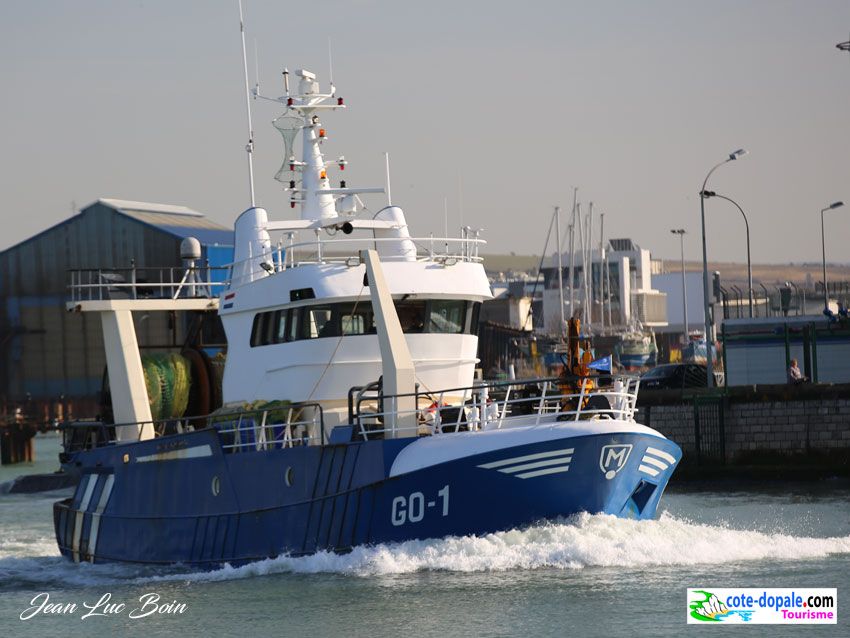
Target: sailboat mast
560,272
572,259
589,248
583,289
608,286
601,272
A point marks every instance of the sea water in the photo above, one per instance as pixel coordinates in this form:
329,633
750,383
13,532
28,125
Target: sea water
584,576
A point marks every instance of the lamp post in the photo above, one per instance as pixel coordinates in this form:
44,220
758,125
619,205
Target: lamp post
832,206
709,363
749,262
681,233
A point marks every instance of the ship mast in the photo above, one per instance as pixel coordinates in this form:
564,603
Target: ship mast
249,147
317,197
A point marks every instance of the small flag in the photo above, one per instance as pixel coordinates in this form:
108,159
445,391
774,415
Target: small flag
604,364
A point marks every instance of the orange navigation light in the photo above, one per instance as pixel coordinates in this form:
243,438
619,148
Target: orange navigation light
323,175
321,132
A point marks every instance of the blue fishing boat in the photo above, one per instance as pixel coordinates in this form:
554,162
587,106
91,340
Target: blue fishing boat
352,413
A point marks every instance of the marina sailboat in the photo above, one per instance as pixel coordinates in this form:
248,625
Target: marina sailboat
352,412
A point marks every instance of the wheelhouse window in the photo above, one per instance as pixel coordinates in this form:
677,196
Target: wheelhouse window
262,332
280,334
416,316
355,318
411,315
318,322
446,316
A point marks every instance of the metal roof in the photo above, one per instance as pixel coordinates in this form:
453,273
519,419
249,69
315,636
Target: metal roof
175,220
148,207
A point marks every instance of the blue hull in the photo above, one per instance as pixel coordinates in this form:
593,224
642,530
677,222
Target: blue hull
181,499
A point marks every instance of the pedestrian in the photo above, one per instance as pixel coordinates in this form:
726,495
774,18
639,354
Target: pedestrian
795,377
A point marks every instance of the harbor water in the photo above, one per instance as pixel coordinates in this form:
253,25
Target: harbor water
585,576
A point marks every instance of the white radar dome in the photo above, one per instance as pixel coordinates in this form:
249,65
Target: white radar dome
190,248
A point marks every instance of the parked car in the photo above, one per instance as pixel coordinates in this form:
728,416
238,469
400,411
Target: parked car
675,376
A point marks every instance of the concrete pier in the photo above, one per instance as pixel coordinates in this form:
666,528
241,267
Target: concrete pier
789,429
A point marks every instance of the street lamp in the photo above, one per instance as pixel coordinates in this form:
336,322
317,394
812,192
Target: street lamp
832,206
709,363
747,225
681,233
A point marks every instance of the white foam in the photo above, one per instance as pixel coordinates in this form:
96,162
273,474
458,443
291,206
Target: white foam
583,541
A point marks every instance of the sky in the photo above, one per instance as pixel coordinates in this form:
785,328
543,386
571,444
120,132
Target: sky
500,109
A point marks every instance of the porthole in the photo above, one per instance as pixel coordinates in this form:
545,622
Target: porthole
288,476
216,486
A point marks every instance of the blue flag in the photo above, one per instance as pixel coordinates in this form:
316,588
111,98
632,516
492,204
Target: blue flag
603,364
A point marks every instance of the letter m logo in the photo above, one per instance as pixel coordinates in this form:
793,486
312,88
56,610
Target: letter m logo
613,458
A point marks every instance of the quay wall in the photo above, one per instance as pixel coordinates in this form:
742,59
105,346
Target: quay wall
755,424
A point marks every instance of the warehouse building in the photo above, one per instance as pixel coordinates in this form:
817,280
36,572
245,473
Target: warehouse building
52,361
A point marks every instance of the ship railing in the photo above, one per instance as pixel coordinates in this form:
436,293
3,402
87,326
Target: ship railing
87,434
346,251
295,425
437,249
167,282
487,406
275,427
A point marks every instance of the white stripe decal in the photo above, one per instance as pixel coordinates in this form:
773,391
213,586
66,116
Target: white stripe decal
186,453
530,466
529,457
660,453
95,522
653,461
84,504
551,470
648,470
91,481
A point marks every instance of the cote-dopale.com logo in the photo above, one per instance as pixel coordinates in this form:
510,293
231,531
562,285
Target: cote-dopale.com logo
720,605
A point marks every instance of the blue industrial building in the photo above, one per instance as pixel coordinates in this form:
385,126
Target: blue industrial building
52,361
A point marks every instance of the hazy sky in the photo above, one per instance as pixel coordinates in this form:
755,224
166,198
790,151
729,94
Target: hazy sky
510,104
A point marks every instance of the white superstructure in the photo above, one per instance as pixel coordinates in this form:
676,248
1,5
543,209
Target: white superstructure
298,312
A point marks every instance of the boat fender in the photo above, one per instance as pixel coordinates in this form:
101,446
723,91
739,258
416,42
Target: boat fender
430,416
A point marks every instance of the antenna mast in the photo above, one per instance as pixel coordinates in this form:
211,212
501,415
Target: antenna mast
331,68
249,148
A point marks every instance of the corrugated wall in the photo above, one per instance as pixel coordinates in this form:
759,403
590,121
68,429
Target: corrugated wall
45,351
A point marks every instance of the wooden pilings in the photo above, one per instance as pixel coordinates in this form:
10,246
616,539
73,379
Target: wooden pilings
16,443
